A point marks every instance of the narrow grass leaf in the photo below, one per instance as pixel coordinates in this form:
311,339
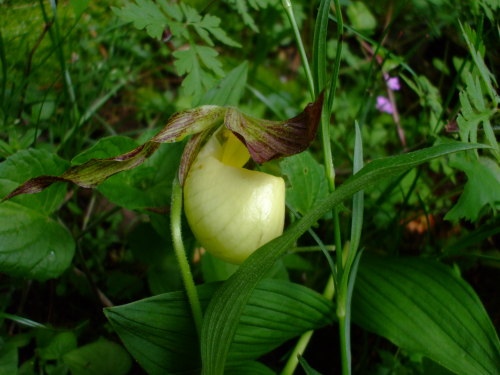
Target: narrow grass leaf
423,307
319,46
22,321
358,198
307,367
353,257
226,307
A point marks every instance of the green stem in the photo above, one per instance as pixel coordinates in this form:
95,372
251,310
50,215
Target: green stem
345,350
180,252
345,347
330,175
287,4
326,136
303,341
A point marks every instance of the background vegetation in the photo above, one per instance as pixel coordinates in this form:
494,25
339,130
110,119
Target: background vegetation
82,80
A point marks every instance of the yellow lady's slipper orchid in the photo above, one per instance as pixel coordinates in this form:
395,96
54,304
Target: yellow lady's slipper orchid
232,210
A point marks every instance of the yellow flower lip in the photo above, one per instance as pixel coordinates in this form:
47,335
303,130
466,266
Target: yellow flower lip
231,210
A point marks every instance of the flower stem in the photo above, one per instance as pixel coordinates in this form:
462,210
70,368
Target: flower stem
345,350
330,170
180,253
287,4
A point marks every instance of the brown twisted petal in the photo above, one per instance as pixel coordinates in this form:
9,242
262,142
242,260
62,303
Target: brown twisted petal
96,171
91,173
267,140
264,139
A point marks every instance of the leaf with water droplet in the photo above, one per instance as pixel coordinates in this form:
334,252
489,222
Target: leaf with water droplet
32,245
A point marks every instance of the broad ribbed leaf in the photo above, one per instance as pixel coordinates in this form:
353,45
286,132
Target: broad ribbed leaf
249,368
32,244
159,331
424,307
226,307
276,312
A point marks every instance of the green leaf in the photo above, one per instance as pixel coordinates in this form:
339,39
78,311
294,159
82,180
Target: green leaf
424,307
481,190
102,357
229,90
196,80
249,368
31,244
79,6
144,14
210,24
476,111
307,368
227,305
242,9
306,181
58,346
215,269
26,164
276,312
361,17
8,359
488,78
22,321
106,147
208,56
149,185
319,46
159,331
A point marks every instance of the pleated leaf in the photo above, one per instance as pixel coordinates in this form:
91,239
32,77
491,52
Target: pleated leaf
249,368
424,307
159,331
228,303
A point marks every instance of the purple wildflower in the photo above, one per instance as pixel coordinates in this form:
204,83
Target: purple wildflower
393,83
384,105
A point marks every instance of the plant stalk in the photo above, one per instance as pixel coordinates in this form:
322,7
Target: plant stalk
287,4
180,253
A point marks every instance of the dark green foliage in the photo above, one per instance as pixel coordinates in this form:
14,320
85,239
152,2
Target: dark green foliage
416,248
